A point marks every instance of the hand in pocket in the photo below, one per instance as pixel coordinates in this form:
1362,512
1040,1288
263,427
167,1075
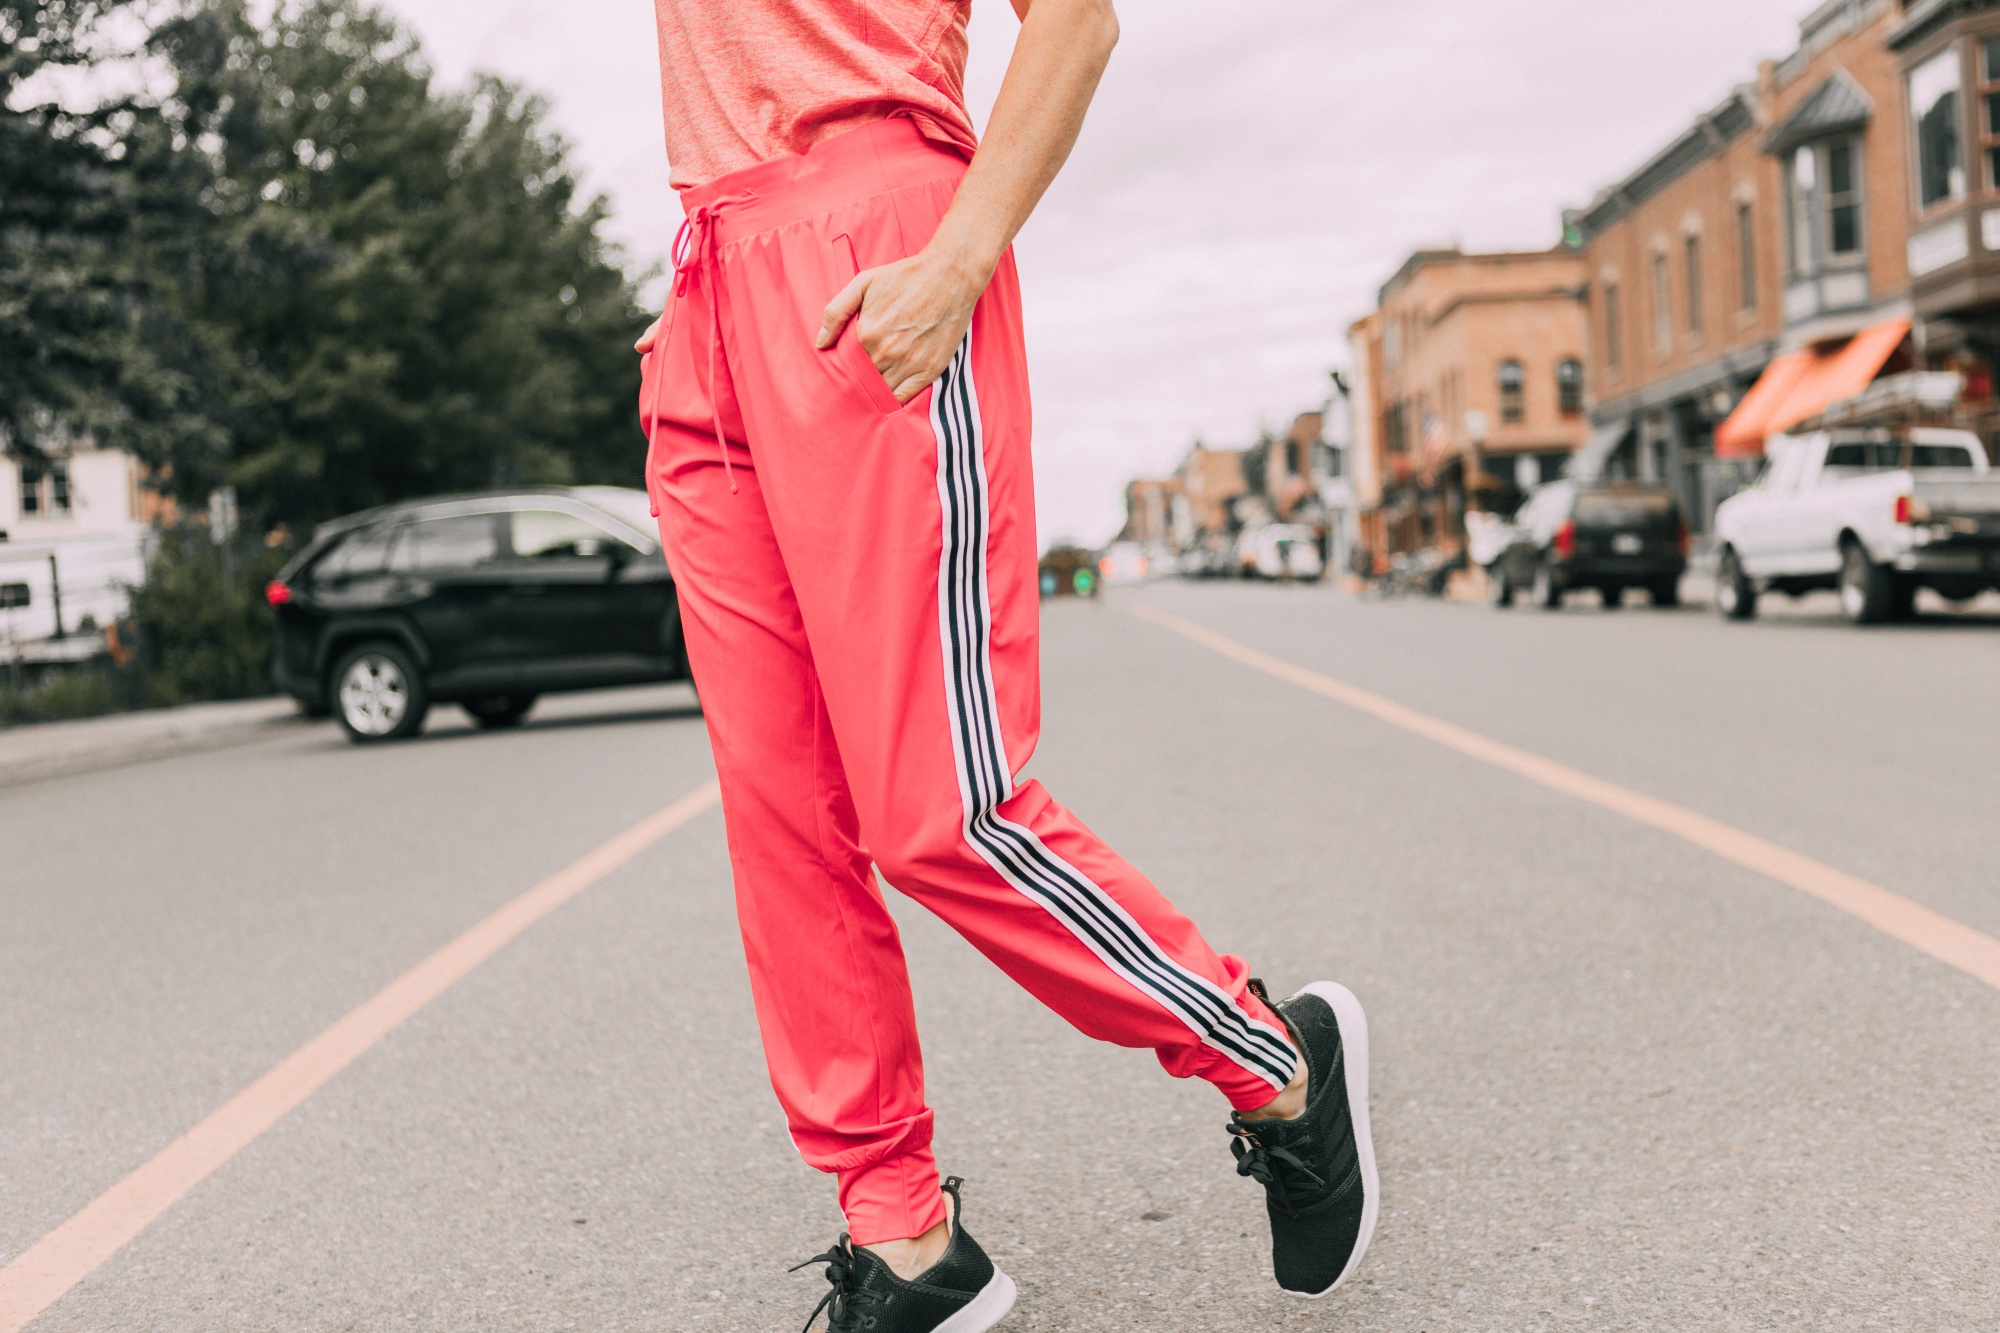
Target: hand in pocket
909,318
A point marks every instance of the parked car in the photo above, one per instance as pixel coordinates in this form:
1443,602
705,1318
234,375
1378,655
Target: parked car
1069,571
1162,561
487,601
1124,562
1282,551
1874,513
1606,535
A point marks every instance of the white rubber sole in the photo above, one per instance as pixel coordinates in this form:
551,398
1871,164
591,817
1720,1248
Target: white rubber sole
988,1308
1354,1062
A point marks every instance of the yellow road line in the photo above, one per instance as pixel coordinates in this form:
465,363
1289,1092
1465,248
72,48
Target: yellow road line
40,1276
1918,926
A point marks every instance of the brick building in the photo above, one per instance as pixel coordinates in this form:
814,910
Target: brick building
1470,385
1760,266
1210,482
1154,512
1292,467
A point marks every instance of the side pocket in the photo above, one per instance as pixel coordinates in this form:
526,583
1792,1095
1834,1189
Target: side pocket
847,351
650,389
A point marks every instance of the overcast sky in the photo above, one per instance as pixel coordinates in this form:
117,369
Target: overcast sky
1250,174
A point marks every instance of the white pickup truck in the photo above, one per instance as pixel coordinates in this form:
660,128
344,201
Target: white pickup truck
1874,513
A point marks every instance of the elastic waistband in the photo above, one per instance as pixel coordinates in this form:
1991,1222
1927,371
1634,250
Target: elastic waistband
859,164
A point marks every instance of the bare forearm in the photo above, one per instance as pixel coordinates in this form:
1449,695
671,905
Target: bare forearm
1058,59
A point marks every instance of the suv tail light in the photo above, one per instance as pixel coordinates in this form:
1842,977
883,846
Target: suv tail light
1909,509
277,593
1566,539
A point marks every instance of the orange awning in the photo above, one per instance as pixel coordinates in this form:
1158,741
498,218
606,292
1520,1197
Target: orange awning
1804,384
1742,435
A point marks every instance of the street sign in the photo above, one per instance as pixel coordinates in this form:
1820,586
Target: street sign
222,515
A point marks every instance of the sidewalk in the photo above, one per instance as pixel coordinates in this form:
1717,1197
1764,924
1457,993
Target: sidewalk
51,749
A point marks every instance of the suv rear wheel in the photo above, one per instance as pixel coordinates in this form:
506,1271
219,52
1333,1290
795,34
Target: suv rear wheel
378,694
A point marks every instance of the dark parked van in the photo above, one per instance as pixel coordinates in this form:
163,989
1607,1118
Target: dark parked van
1608,535
484,600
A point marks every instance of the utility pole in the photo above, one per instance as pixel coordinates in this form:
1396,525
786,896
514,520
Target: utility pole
1350,510
55,593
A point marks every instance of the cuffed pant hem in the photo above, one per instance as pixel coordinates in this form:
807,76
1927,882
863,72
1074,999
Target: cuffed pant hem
1245,1090
897,1199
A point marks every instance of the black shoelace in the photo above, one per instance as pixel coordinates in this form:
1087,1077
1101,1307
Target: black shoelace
840,1303
1279,1170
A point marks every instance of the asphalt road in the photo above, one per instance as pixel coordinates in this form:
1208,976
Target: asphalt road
1619,1083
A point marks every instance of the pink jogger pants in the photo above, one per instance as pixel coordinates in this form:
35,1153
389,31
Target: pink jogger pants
858,584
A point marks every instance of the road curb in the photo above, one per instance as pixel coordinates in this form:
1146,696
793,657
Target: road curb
58,749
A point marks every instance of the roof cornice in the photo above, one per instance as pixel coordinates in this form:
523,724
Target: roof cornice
1925,17
1709,135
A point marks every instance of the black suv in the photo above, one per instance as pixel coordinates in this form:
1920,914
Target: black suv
1609,535
482,600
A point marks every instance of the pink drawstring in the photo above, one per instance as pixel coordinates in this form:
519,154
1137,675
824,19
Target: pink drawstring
694,244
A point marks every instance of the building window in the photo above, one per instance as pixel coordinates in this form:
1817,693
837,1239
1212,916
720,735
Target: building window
1843,198
1614,327
44,490
1934,88
1691,259
1826,194
1569,387
1513,392
1394,440
1663,320
1989,72
1746,258
1805,206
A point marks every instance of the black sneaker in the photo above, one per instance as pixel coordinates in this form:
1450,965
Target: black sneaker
1318,1171
961,1293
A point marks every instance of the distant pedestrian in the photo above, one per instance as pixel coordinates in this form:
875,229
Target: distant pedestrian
837,403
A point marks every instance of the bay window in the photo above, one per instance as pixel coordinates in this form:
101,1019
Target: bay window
1934,97
1989,121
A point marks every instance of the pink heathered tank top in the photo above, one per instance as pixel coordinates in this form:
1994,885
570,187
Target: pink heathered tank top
746,81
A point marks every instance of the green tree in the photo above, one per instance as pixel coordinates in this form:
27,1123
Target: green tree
77,353
380,290
205,631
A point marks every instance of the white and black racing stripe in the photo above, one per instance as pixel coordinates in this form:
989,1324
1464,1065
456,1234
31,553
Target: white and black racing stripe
1089,913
